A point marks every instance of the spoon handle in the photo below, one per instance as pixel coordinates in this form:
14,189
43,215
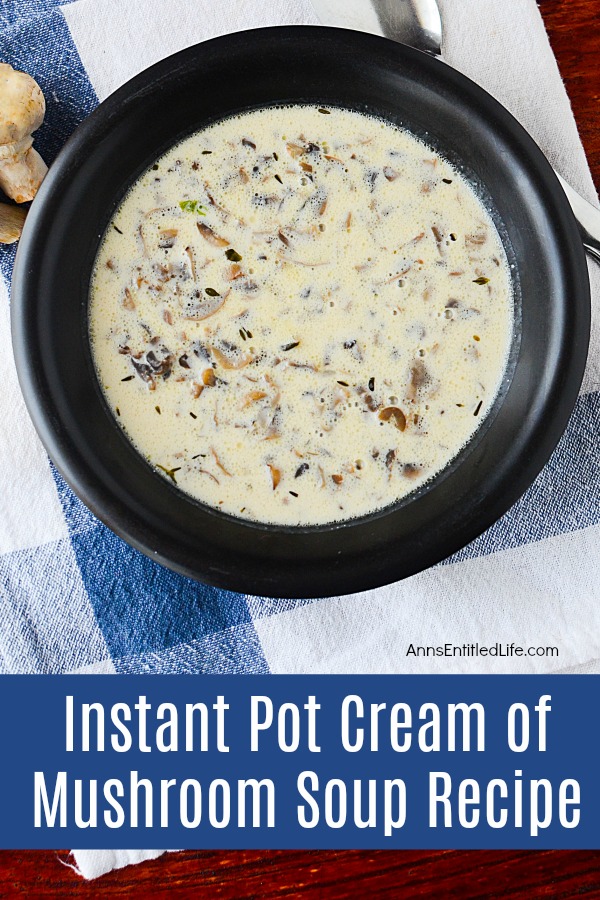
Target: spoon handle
588,219
413,22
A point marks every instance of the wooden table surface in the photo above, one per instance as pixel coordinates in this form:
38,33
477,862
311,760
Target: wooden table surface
574,29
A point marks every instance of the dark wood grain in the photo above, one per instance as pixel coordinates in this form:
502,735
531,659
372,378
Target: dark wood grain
574,30
267,875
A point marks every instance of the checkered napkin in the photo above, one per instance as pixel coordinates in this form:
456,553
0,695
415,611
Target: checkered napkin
74,597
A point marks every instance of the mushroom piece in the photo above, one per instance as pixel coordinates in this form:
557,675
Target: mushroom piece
22,109
12,219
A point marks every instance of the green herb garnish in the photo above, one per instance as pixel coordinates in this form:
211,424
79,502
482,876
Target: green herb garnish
326,112
211,292
232,255
193,206
481,280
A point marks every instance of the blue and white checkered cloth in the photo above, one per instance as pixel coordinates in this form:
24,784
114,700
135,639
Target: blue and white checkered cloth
74,597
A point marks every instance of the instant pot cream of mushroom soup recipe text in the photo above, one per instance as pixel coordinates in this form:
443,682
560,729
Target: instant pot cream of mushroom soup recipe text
299,315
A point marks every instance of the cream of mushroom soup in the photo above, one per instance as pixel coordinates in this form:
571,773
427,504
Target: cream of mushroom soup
299,315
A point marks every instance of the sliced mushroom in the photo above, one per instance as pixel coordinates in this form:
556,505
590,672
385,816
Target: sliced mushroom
209,235
395,413
275,475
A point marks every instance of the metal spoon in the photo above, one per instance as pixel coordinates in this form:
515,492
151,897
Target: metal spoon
418,23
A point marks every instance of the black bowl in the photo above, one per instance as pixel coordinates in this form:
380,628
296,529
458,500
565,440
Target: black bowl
260,68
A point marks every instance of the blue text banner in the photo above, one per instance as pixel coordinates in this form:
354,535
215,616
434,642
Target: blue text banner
300,761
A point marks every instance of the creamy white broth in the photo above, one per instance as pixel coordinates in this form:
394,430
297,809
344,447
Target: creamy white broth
300,315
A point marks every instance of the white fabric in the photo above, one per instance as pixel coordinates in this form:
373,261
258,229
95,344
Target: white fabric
34,488
507,597
504,47
92,863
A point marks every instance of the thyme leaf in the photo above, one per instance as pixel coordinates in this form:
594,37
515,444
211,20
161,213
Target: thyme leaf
193,206
169,472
